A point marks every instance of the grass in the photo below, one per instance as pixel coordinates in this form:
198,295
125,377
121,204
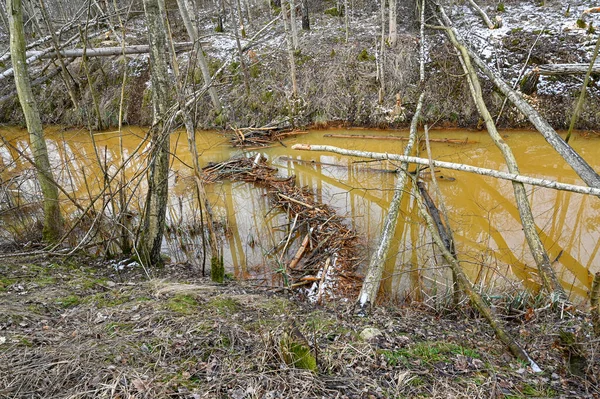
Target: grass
183,304
427,352
223,305
68,301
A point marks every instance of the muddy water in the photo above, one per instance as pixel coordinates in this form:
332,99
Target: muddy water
481,209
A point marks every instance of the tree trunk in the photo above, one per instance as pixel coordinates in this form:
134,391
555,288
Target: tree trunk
305,16
290,50
595,303
382,56
393,34
241,52
579,165
482,13
370,287
190,26
476,299
568,69
156,200
347,20
549,280
293,25
52,218
453,166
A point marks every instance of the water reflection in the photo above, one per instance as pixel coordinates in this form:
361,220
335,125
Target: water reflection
481,209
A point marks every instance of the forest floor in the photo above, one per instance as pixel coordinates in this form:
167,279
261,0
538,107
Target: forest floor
82,328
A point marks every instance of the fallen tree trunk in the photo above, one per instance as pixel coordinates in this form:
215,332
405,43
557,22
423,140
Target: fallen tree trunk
533,181
540,255
103,51
567,69
483,15
579,165
371,137
466,286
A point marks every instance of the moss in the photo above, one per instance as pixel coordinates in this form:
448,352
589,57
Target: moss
581,23
217,269
223,305
365,56
255,70
334,12
183,304
427,352
68,301
500,7
6,282
591,30
297,354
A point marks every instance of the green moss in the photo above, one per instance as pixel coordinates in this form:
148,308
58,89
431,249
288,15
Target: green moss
255,70
68,301
217,269
500,7
365,56
427,352
223,305
581,23
297,354
591,30
6,282
333,11
183,304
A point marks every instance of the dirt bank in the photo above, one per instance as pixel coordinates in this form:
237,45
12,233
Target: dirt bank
90,328
337,79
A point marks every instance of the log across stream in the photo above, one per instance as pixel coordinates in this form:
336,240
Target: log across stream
482,212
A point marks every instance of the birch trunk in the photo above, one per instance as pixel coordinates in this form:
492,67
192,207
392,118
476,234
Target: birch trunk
290,49
190,26
595,303
482,13
52,218
370,287
453,166
150,241
293,25
393,31
549,280
579,165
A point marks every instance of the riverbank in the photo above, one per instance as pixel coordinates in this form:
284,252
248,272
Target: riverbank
337,79
83,327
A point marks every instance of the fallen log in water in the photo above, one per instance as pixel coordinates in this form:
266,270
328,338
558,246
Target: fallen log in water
454,166
371,137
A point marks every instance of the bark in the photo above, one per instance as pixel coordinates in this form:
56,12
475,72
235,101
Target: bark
290,50
293,25
568,69
382,57
583,90
549,280
150,241
595,303
393,30
101,51
347,19
483,15
453,166
190,26
305,15
52,218
476,299
579,165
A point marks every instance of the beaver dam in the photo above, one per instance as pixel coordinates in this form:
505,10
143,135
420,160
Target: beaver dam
309,220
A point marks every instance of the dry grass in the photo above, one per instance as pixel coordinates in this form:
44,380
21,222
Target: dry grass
74,330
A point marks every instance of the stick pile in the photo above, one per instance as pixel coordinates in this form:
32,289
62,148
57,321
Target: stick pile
327,258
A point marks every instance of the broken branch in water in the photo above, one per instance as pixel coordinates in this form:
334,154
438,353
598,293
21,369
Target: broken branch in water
370,137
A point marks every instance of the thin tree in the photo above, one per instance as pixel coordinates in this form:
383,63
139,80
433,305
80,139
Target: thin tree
393,37
305,15
151,236
52,218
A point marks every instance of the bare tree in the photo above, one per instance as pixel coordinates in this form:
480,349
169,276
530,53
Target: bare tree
150,240
305,15
393,34
52,218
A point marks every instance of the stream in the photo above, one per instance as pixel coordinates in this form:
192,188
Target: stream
483,217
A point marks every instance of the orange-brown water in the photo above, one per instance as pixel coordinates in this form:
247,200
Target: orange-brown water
481,209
